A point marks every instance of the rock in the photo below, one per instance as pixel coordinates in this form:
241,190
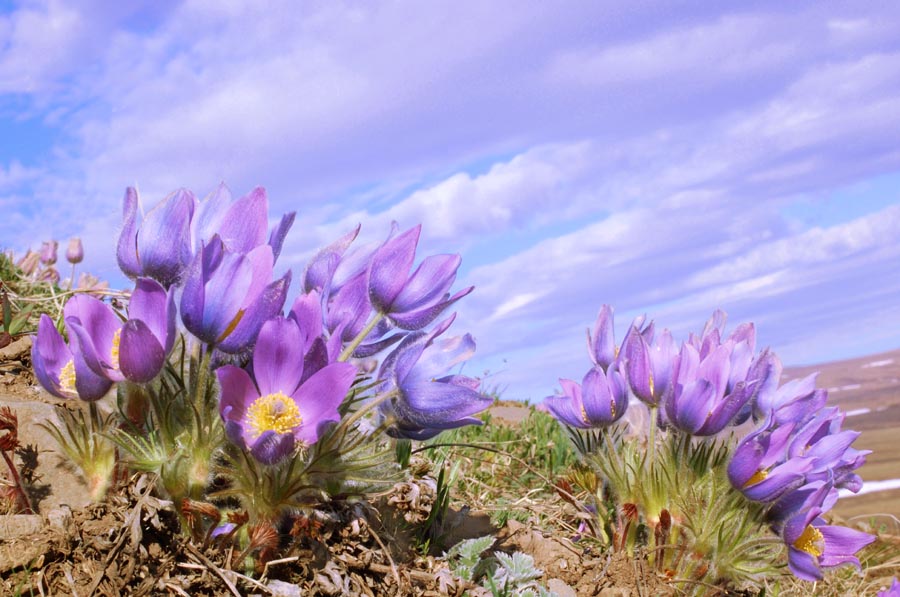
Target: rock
560,588
56,481
13,526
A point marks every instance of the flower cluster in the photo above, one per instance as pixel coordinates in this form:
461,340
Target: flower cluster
205,351
789,468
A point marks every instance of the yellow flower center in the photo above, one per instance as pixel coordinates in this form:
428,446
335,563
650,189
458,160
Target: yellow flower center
810,541
273,412
651,383
67,378
114,356
757,477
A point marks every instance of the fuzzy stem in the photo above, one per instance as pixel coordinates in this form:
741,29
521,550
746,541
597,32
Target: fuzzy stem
17,484
354,344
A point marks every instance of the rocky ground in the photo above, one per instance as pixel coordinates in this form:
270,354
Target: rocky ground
130,544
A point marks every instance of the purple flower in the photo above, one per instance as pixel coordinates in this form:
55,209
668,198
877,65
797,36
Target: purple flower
280,407
602,343
228,296
600,400
707,394
429,401
135,349
48,252
29,262
648,364
241,225
760,468
60,369
821,439
413,301
75,251
158,247
813,544
793,401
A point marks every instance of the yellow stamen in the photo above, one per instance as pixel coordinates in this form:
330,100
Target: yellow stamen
651,383
584,416
810,541
67,378
612,409
273,412
114,357
234,323
757,477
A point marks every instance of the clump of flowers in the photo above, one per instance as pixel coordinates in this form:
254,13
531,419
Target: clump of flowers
673,463
232,401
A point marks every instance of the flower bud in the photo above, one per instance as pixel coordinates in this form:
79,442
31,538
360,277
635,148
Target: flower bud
29,263
75,252
48,252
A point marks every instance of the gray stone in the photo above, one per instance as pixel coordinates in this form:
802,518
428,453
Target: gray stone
560,588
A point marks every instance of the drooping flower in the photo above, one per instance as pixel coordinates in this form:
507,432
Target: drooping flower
228,296
278,408
61,369
75,251
135,349
159,246
600,400
822,439
428,400
48,252
813,545
760,467
411,301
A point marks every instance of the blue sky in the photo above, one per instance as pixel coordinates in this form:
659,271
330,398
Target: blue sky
667,158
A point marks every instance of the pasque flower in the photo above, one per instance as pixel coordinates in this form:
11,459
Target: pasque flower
602,342
601,399
48,252
61,369
228,296
159,246
75,251
760,467
707,394
648,364
281,406
428,400
241,225
135,349
411,301
812,544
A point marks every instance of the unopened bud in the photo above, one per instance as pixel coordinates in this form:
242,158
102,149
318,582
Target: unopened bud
29,263
75,252
48,252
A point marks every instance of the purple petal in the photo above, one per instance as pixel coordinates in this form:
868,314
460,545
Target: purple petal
637,367
390,267
440,357
208,215
602,343
599,403
428,283
244,226
431,404
567,410
272,447
267,305
154,306
278,357
307,312
126,251
237,393
803,565
319,397
94,325
141,356
416,320
278,234
164,240
320,269
841,543
49,354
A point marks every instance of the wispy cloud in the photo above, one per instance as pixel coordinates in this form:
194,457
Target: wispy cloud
646,158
